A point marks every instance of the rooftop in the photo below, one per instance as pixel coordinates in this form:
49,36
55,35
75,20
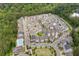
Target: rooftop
42,31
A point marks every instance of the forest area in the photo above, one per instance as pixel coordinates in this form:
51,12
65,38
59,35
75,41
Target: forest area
10,13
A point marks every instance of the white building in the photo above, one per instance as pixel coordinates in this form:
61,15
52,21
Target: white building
75,15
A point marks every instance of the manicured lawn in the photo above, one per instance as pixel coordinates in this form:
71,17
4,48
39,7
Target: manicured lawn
43,52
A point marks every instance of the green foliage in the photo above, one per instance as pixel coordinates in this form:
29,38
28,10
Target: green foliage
76,51
40,34
10,13
75,36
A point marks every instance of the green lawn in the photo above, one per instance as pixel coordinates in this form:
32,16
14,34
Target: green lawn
43,52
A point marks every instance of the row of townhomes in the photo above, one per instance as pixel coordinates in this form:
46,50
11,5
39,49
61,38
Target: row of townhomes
43,35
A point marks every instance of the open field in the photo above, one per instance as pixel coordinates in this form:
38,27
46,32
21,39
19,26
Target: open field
44,52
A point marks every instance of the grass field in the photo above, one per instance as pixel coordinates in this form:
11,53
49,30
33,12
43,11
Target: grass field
43,52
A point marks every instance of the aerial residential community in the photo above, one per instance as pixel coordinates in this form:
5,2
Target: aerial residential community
39,29
43,35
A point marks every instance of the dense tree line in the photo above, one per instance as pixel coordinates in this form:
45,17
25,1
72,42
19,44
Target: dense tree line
10,13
